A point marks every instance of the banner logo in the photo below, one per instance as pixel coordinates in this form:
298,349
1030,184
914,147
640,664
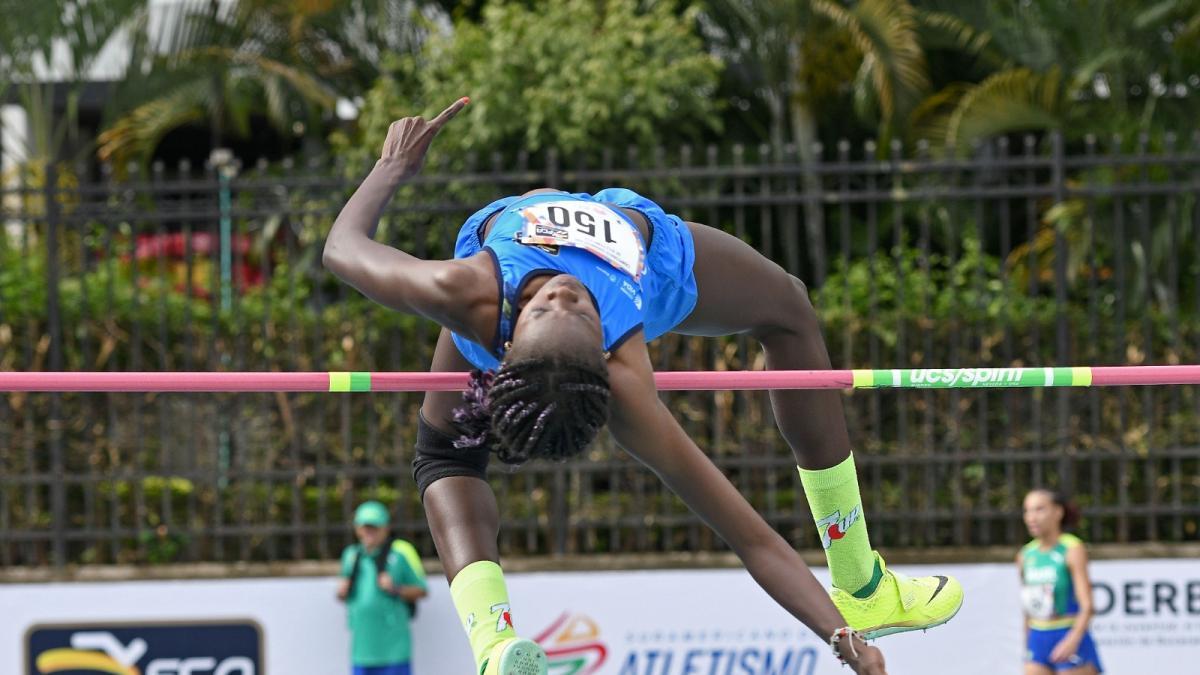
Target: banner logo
573,646
176,648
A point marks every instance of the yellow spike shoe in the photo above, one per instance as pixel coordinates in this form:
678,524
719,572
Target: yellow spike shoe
900,603
515,656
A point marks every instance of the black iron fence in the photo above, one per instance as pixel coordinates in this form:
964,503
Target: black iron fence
1014,254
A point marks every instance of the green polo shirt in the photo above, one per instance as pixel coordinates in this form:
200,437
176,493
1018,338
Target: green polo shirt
379,623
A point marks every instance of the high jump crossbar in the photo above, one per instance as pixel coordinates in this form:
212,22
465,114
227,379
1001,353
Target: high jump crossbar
340,381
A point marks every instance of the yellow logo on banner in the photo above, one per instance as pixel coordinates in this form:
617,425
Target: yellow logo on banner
59,660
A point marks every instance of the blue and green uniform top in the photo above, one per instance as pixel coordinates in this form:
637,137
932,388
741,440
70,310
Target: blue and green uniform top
379,623
1047,591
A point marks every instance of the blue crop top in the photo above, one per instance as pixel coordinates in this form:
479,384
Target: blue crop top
616,292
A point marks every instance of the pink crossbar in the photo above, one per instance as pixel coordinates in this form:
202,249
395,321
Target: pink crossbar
394,382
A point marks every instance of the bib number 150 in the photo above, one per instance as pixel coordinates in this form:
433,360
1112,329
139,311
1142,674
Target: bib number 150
592,227
585,223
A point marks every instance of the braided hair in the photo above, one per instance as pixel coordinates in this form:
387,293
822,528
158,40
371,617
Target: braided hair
549,406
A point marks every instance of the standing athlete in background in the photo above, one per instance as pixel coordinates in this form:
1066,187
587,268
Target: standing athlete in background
382,581
1055,590
552,298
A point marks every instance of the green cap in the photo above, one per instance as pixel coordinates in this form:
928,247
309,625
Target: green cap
371,513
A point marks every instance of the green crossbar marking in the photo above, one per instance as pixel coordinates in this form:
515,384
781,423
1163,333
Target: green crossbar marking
349,381
913,378
967,378
945,378
360,381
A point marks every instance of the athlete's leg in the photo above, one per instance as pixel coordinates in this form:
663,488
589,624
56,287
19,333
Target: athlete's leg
741,291
1089,669
461,510
1037,669
465,521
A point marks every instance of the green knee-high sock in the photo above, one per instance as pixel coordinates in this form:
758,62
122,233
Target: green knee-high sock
481,599
837,508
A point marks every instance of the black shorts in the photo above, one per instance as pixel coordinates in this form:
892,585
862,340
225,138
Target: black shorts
437,458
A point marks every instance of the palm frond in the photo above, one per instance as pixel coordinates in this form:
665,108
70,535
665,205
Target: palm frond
287,56
277,102
885,32
866,98
136,134
930,120
187,25
1011,100
756,36
1155,13
309,87
1085,73
940,30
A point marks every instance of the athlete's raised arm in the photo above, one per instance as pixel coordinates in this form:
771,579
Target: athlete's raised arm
393,278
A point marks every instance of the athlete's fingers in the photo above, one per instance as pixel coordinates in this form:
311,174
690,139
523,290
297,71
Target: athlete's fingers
449,113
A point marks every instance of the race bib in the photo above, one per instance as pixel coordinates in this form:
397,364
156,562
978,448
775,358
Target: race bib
592,227
1038,600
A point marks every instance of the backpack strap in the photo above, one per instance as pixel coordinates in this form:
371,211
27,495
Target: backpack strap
381,555
381,565
394,545
358,552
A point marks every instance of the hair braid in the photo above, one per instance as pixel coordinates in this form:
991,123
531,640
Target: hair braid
545,406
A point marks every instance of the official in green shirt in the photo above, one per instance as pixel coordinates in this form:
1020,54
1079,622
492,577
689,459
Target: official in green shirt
382,579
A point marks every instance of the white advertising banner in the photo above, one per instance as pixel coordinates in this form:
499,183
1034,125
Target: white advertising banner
672,622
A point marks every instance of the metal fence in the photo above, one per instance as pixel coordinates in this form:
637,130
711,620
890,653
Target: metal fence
1024,254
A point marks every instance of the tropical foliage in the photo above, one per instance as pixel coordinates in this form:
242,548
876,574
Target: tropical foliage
49,54
1099,67
566,73
573,75
287,61
1090,245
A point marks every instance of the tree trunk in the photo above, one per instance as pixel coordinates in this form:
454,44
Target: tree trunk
804,131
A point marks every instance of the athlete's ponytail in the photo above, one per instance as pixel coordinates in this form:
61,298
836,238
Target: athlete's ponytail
1071,512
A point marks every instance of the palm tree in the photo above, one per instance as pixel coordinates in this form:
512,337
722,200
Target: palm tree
222,62
1053,65
1089,69
51,53
798,54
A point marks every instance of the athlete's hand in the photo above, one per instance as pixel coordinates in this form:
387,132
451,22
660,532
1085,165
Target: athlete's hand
385,583
868,662
408,139
343,589
1065,649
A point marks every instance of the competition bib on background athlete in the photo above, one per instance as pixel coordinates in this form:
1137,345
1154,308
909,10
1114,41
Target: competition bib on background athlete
1038,600
592,227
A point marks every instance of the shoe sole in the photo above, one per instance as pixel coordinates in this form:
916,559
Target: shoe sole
885,631
522,657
